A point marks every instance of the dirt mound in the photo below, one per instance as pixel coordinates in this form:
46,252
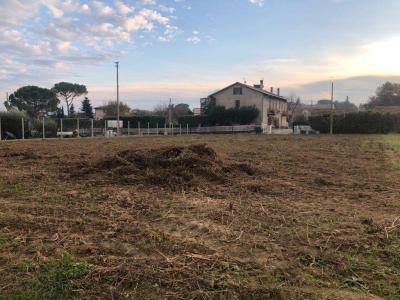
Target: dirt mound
172,167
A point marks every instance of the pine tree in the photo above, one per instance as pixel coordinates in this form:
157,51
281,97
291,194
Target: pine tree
87,108
72,111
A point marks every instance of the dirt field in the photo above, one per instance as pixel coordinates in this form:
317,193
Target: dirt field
200,217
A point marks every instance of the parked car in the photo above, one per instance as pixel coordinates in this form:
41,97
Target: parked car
304,130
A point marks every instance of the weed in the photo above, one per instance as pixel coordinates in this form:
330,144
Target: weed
54,279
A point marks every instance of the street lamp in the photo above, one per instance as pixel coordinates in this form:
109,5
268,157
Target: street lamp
117,66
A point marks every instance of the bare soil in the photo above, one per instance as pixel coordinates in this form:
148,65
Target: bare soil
207,217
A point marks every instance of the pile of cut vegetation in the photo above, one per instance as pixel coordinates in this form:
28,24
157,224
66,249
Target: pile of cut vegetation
172,167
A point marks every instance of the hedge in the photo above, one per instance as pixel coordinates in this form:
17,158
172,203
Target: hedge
358,122
221,116
192,121
12,122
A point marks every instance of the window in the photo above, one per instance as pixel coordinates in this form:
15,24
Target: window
237,91
237,104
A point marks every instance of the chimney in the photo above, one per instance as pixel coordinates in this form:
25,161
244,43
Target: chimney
261,84
279,91
272,90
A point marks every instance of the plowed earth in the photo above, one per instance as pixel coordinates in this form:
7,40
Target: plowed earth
220,217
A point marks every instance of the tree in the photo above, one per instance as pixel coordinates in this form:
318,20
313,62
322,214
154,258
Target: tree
161,110
110,109
68,92
87,108
60,113
72,112
346,106
181,110
386,95
207,105
33,100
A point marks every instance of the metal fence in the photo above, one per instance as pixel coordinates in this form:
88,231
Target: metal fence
89,128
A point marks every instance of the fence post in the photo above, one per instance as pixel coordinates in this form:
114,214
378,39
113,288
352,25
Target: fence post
165,129
105,128
180,129
129,127
0,130
187,128
61,128
23,128
172,127
139,127
77,127
91,121
157,128
43,131
148,128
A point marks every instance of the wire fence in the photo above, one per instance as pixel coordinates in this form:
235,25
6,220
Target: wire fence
51,128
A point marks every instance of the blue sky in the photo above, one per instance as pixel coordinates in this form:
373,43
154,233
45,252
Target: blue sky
186,49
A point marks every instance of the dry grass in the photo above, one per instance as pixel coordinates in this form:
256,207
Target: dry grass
315,220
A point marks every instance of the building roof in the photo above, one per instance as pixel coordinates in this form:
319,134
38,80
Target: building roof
394,109
262,91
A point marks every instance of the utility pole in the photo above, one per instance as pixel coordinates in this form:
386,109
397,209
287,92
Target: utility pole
332,107
117,66
170,112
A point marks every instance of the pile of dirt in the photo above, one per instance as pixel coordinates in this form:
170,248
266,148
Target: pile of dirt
172,167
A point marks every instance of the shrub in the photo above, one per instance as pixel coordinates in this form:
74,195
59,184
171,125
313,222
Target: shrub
359,122
12,122
50,128
245,115
192,121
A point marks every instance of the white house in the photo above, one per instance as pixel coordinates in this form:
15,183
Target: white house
272,106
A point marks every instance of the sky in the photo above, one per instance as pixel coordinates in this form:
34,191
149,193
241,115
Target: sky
187,49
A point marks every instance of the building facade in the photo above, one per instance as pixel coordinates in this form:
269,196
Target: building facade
273,108
99,113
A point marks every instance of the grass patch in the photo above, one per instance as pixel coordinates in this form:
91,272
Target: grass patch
54,279
393,140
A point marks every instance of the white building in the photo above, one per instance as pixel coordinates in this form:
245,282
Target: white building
272,106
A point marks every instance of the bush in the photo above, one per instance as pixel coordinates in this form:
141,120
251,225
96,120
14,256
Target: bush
245,115
359,122
50,128
192,121
12,122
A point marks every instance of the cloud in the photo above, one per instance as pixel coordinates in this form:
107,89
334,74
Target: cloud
40,34
358,88
257,2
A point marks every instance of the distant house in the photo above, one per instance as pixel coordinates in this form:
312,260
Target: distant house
317,109
322,108
272,106
197,111
99,112
387,109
